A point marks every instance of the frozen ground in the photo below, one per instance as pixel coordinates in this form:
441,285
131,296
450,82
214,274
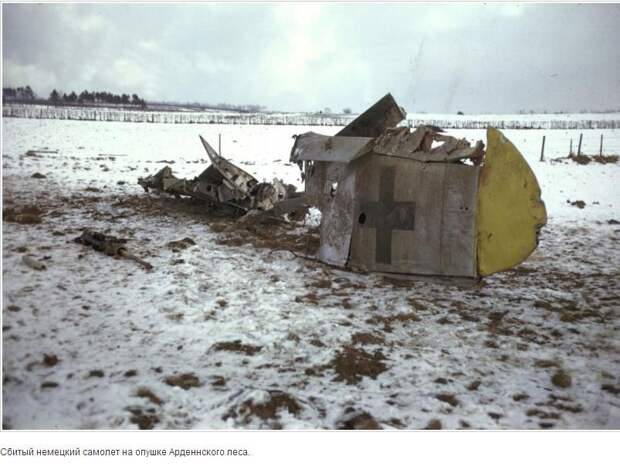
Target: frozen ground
234,333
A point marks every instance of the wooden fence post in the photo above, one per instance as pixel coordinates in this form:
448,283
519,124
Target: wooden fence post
571,147
542,150
579,147
600,152
219,144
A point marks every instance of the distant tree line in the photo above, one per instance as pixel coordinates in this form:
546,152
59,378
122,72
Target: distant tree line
19,93
97,97
26,94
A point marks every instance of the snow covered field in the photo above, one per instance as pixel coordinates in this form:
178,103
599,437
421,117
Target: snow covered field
235,333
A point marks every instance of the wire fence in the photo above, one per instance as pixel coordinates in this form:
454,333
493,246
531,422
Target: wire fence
521,123
536,122
135,116
591,143
562,134
557,143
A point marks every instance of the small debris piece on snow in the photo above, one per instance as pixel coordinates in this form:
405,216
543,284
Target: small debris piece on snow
561,379
184,381
50,360
433,424
109,245
33,263
577,203
179,245
358,420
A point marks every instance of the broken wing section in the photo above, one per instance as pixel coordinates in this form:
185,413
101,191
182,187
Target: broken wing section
510,211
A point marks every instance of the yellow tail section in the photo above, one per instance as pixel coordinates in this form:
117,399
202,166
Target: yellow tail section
510,211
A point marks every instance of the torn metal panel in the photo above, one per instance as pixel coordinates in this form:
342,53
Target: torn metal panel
265,195
206,188
213,155
292,205
337,211
400,142
237,177
377,119
314,147
449,144
400,138
165,181
458,230
314,176
475,153
211,175
412,217
397,216
322,179
386,215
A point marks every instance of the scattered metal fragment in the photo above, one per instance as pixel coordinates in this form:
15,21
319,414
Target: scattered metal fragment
224,184
109,245
33,263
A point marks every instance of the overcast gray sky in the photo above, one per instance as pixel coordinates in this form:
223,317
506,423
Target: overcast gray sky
290,56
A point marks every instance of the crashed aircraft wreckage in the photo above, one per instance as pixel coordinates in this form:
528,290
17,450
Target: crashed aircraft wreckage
222,183
395,201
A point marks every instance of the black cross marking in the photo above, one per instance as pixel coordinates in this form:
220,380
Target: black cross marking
386,216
